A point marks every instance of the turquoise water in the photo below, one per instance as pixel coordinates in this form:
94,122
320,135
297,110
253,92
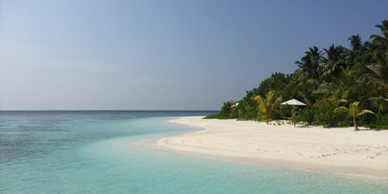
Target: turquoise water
99,152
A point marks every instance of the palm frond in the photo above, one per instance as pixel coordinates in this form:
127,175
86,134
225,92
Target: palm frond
262,105
269,97
353,108
342,101
327,102
276,103
341,109
366,112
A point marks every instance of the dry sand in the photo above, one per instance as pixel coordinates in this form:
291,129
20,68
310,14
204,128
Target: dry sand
339,150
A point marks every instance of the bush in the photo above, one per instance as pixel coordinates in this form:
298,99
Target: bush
343,119
247,112
304,115
261,118
226,109
283,112
328,118
381,122
217,116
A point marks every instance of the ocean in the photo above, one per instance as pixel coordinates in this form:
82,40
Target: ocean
108,152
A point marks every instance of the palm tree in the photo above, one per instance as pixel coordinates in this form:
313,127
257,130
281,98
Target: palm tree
268,105
291,88
355,43
354,112
378,80
346,83
310,63
331,64
359,55
381,41
380,50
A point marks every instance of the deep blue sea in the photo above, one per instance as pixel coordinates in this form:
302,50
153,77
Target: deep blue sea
99,152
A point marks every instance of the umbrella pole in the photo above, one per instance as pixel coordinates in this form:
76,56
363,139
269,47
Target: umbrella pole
293,113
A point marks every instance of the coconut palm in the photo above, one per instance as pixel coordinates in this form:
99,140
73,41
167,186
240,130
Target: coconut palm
354,112
310,63
380,50
336,74
355,43
381,41
378,80
268,105
346,83
331,64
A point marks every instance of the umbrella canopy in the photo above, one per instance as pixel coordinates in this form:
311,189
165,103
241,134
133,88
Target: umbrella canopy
294,102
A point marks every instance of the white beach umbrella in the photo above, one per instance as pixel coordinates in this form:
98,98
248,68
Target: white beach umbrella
294,102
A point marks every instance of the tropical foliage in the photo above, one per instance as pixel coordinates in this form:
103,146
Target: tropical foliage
326,80
268,105
354,112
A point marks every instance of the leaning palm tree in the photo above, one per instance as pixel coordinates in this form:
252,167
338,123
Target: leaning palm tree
353,112
268,105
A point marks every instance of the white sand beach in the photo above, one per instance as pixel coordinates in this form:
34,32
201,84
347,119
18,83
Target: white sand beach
338,150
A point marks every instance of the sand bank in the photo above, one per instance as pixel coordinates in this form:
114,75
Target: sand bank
339,150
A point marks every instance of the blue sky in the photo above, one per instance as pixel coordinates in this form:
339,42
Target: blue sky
158,55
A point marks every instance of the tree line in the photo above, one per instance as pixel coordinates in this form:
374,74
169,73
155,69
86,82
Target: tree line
340,86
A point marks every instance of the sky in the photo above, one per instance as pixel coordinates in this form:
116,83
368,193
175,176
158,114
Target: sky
162,54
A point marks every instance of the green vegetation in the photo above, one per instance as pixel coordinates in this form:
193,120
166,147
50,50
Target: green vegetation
268,105
326,80
354,112
217,116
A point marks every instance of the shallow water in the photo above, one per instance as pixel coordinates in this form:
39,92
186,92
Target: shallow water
98,152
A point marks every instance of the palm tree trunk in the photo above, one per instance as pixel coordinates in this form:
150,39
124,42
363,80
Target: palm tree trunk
355,123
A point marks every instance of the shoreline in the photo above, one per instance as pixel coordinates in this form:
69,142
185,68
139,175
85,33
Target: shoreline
333,150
